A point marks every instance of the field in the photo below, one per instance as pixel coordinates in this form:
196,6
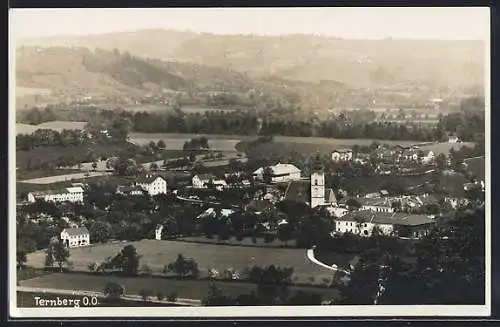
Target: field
191,289
29,91
176,141
283,145
156,254
54,125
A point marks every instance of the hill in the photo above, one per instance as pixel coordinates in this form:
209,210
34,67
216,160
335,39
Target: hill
358,63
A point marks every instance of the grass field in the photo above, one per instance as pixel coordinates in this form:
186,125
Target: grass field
176,141
156,254
192,289
54,125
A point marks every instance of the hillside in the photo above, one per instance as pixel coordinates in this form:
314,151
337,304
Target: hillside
75,73
358,63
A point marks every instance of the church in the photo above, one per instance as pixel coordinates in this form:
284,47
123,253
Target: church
313,192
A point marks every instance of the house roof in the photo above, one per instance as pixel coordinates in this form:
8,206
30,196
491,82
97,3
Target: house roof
205,177
76,231
147,179
50,192
342,150
128,189
280,169
75,189
394,218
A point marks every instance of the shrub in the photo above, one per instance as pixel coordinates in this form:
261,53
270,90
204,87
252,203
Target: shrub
145,294
172,297
160,296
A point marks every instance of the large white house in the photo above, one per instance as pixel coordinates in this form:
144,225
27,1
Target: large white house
153,184
68,194
75,237
280,173
342,155
396,223
205,180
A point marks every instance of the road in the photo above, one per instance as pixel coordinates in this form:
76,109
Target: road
130,297
310,256
64,178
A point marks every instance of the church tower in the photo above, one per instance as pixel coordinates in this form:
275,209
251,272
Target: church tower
317,183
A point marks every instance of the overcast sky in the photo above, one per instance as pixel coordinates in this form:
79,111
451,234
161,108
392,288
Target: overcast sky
367,23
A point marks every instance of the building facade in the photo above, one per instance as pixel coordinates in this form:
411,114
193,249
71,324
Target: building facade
280,173
68,194
75,237
152,184
342,155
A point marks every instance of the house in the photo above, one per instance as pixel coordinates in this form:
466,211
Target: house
152,184
158,232
342,155
280,173
130,190
205,180
377,205
69,194
454,139
75,237
396,223
427,156
337,211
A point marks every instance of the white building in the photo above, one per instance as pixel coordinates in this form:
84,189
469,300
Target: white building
342,155
377,205
397,224
205,180
453,139
68,194
158,231
129,190
427,157
152,184
75,237
280,173
317,189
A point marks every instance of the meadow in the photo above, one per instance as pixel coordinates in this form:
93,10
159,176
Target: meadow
53,125
445,147
190,289
176,141
157,254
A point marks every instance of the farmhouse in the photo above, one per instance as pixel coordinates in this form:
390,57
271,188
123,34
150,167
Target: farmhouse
68,194
205,180
129,190
342,155
75,237
153,184
377,205
396,224
280,173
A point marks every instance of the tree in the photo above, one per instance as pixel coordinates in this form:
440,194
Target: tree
145,294
285,232
161,145
183,267
153,166
441,161
94,165
60,253
172,297
215,297
21,259
267,175
160,296
127,260
113,291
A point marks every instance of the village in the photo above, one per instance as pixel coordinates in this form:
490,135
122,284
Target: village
407,213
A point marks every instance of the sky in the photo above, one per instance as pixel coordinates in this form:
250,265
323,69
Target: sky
453,23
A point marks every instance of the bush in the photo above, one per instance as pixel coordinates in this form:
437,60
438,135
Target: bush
172,297
145,294
160,296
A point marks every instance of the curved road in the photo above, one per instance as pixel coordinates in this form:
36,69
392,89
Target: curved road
310,256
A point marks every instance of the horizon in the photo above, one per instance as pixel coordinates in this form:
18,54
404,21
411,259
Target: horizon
422,23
